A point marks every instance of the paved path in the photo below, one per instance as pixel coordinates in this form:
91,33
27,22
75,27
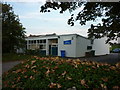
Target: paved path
8,65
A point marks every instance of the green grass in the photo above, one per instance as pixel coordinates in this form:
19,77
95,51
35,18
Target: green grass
54,72
14,57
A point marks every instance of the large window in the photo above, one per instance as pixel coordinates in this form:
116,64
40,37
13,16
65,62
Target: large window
29,42
41,41
38,41
89,47
44,41
43,47
34,41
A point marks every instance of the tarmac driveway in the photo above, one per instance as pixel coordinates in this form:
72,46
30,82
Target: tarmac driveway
111,58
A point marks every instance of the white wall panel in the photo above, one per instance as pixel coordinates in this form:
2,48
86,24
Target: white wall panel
100,47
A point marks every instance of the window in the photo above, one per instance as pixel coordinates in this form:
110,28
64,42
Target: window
54,45
37,41
89,47
44,41
42,46
29,42
40,41
32,42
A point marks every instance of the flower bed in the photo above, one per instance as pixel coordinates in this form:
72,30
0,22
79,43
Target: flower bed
55,72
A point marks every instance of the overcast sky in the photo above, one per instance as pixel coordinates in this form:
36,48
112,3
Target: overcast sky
46,23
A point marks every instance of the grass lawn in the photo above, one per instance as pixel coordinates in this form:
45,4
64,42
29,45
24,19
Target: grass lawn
55,72
15,57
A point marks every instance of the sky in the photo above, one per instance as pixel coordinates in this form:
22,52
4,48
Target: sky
37,23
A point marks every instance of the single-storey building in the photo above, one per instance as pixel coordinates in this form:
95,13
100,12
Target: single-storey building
68,45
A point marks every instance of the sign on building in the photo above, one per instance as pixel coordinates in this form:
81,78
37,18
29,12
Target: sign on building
67,42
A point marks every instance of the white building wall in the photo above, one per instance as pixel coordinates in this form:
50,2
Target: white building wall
40,38
78,45
100,47
81,46
69,49
119,40
47,47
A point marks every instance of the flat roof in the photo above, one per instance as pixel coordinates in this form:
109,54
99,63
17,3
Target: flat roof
73,34
53,35
42,36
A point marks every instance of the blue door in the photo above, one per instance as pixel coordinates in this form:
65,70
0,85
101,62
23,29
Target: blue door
54,51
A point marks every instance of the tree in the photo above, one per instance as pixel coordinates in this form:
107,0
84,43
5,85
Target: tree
109,12
13,33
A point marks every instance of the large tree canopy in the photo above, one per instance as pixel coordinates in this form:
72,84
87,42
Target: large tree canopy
109,12
12,30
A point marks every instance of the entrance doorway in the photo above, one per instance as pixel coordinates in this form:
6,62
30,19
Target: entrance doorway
53,50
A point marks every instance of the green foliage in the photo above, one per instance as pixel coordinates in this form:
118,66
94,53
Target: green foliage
13,33
14,57
36,52
115,46
32,52
46,73
109,12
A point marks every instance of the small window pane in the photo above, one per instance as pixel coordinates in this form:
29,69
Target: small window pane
29,42
37,41
40,41
89,47
34,41
42,46
44,41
